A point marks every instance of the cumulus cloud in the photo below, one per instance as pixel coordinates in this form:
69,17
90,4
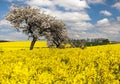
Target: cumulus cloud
9,33
9,0
85,34
104,28
81,26
4,22
72,4
73,16
66,4
13,36
39,2
108,27
117,5
96,1
105,12
118,18
111,29
103,22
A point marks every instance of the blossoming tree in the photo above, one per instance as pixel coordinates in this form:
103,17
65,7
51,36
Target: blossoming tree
35,24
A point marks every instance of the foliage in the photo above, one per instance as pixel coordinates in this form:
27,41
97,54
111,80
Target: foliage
93,65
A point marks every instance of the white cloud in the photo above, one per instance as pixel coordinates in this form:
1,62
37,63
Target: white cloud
66,4
111,29
105,12
72,4
13,36
103,22
118,18
117,5
80,26
39,2
9,0
68,16
85,35
96,1
108,27
21,0
4,22
9,33
104,28
111,32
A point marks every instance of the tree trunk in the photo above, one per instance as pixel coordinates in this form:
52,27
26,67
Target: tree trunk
33,42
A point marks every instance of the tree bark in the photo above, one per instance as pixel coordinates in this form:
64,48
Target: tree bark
33,42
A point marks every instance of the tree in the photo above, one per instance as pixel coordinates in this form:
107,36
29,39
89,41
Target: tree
35,23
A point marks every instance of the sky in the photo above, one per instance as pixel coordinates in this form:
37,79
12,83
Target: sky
83,18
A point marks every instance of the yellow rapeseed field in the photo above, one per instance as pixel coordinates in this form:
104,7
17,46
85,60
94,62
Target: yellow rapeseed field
92,65
21,45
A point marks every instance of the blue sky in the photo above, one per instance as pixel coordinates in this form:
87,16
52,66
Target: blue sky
83,18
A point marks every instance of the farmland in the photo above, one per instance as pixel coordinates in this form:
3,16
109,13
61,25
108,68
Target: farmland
92,65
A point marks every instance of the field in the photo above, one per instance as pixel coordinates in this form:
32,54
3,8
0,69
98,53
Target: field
92,65
21,45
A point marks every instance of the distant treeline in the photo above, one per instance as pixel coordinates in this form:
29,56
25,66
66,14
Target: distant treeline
90,42
4,41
